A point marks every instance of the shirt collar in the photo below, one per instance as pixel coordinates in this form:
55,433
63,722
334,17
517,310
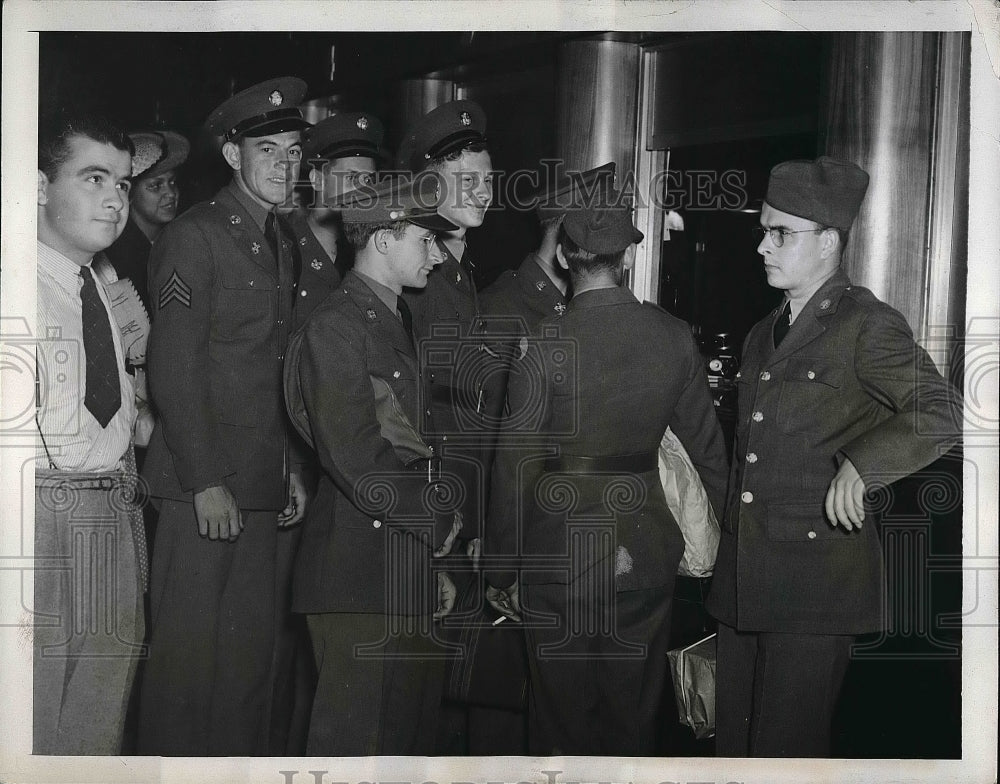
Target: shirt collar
62,269
251,205
612,295
384,293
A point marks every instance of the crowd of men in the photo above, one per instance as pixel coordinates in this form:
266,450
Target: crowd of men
339,428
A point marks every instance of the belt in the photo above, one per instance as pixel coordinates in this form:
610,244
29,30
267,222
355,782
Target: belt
430,465
636,463
82,480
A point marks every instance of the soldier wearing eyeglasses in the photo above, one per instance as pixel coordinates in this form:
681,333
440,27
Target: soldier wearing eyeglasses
343,151
833,394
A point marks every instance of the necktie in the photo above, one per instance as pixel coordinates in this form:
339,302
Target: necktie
405,316
271,235
285,231
103,397
783,324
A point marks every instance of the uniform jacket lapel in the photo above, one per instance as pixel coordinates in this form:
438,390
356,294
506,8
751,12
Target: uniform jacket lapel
809,324
541,294
244,232
384,325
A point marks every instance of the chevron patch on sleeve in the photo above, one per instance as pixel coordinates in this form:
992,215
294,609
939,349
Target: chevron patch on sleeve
175,290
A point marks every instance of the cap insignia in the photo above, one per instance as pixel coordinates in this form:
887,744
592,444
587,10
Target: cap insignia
395,215
276,98
362,123
465,118
317,264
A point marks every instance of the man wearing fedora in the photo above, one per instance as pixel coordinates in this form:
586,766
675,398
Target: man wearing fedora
343,152
153,203
577,497
834,394
221,459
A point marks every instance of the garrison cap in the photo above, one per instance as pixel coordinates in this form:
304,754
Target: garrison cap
827,191
572,189
268,107
157,152
602,229
344,135
449,128
412,199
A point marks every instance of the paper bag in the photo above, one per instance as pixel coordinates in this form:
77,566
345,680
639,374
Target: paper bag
693,672
688,503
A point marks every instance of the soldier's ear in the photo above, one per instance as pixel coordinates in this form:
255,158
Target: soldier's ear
561,258
381,240
231,152
43,189
829,243
629,259
316,180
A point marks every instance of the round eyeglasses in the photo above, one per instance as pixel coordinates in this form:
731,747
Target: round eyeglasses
777,233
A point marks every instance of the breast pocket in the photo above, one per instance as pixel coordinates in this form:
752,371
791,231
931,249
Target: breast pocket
246,307
810,393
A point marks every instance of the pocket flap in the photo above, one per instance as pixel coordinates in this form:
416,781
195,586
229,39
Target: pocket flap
820,370
802,522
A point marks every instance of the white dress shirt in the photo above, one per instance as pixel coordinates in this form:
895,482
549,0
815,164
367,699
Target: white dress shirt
73,438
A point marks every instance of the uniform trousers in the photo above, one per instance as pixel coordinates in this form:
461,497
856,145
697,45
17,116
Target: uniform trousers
597,666
379,685
88,624
776,693
207,686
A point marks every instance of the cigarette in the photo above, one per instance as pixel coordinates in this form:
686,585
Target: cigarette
500,620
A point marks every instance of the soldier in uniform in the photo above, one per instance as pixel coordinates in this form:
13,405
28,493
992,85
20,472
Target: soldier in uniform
577,496
220,457
834,395
363,574
539,287
343,151
451,141
520,299
511,308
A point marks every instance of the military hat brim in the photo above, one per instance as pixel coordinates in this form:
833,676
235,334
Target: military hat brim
345,135
265,108
450,127
392,200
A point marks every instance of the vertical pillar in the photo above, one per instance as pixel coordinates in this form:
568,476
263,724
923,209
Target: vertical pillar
598,104
879,113
414,98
